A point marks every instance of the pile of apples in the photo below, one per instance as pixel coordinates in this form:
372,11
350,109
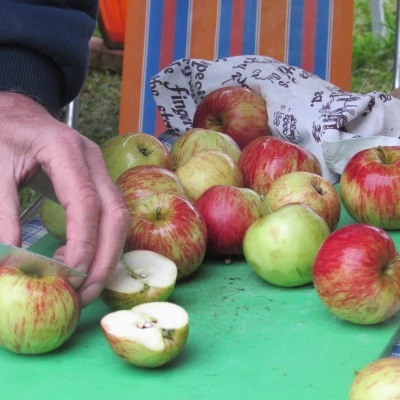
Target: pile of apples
219,192
213,194
227,187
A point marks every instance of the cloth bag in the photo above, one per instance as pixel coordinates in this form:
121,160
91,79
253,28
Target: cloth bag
302,108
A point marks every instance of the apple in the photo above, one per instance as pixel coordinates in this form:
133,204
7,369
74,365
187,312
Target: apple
38,313
236,111
281,246
54,218
379,380
171,226
145,180
228,212
141,276
370,186
149,335
207,168
131,149
197,139
267,158
357,274
307,188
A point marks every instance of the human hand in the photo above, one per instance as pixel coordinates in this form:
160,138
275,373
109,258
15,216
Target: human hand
32,140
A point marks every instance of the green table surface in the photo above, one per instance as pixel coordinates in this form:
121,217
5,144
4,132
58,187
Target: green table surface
247,339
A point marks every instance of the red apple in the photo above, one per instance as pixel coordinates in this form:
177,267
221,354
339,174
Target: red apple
370,187
236,111
267,158
207,168
379,380
357,274
307,188
169,225
228,212
145,180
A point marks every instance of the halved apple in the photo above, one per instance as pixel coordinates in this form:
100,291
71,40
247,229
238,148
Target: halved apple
149,335
141,276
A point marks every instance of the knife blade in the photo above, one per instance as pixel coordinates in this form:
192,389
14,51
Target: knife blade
30,262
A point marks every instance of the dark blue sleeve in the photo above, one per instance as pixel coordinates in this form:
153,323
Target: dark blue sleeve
44,48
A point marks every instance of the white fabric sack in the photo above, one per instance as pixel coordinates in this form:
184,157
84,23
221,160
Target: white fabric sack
302,108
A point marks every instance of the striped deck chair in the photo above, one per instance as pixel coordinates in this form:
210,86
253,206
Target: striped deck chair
313,34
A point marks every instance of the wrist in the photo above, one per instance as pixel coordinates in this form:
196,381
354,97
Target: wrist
27,72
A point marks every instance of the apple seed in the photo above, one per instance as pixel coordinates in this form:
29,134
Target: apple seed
147,322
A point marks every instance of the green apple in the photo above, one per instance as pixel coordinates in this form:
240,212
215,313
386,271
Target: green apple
198,139
379,380
149,335
125,151
141,276
54,219
281,246
38,313
207,168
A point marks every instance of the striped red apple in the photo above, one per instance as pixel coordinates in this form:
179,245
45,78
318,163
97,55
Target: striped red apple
207,168
236,111
267,158
198,139
38,313
356,274
307,188
370,186
379,380
144,180
171,226
228,212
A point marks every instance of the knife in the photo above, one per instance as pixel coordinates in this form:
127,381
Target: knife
30,262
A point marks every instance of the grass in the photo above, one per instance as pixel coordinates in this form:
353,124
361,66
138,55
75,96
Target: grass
372,70
373,56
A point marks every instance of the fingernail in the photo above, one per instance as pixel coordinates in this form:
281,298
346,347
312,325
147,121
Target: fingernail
90,293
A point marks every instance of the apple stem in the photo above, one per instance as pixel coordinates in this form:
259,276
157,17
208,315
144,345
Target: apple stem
158,212
145,152
382,155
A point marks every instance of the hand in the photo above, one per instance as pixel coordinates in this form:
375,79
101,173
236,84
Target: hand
31,140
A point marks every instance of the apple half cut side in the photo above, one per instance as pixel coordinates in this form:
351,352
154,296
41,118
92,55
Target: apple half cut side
149,335
141,276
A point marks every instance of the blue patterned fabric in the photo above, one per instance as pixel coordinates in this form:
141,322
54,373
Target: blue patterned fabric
32,231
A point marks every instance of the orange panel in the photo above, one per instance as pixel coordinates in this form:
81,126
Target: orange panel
273,22
204,25
133,66
341,53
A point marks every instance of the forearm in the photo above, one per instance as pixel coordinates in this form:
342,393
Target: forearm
44,48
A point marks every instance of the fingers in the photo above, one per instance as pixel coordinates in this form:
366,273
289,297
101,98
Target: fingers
10,229
63,160
112,228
